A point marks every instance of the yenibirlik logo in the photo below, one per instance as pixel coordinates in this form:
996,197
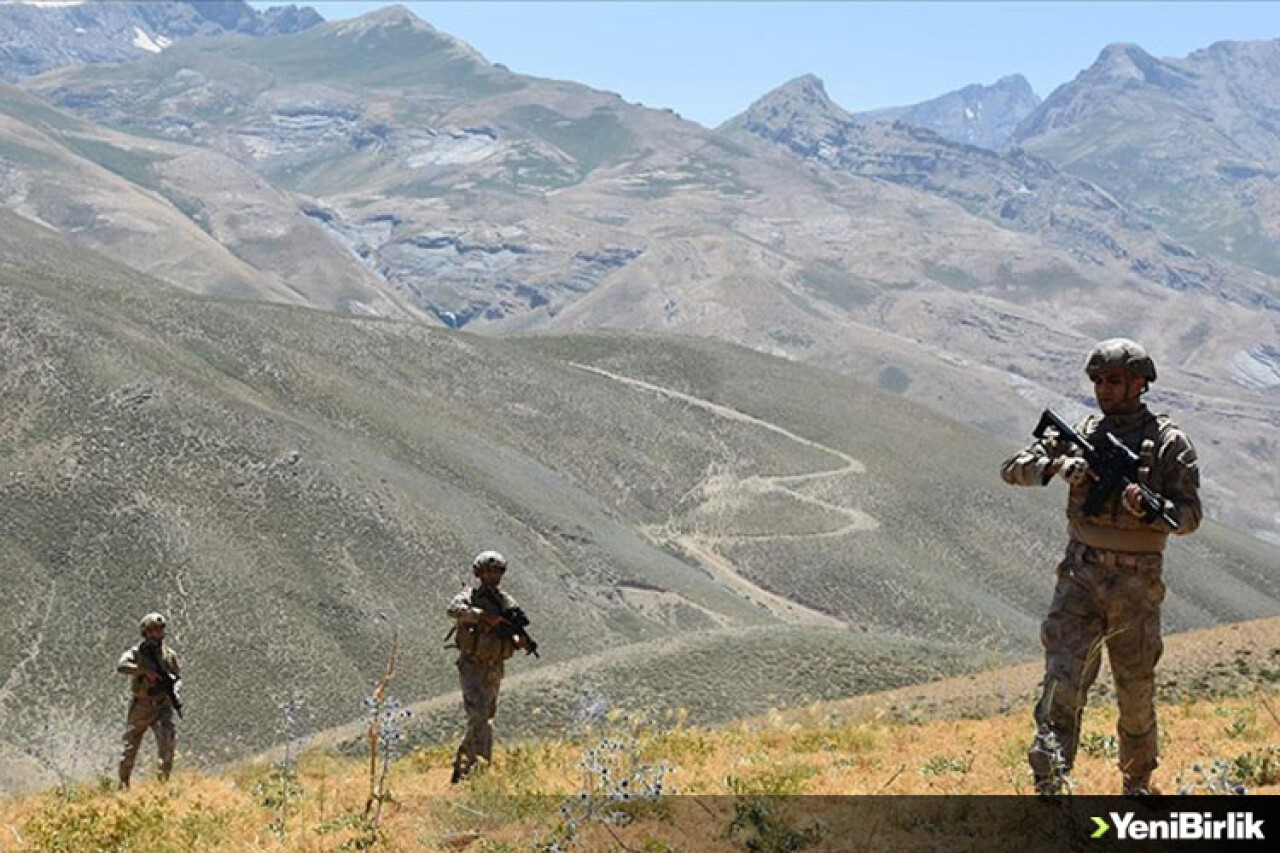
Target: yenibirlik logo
1183,826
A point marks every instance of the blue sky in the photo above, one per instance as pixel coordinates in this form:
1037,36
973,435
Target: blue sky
710,60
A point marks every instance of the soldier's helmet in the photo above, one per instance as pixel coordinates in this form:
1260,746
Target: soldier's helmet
489,560
151,620
1121,352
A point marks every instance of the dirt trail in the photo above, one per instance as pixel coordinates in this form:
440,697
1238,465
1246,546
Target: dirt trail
702,544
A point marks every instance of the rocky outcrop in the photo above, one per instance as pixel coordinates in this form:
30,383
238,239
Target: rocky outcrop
1257,369
461,277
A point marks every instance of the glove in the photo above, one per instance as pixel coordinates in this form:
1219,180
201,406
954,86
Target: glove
1131,497
1074,470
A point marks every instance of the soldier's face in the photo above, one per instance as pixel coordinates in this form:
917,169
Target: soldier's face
489,575
154,634
1117,391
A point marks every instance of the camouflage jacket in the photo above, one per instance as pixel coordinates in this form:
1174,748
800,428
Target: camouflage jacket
1167,464
487,645
134,663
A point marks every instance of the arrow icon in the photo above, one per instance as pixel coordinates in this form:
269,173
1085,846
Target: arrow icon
1102,828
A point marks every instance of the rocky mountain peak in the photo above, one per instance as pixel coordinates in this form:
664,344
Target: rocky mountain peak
806,90
1014,83
1124,61
799,105
399,20
392,17
975,115
807,86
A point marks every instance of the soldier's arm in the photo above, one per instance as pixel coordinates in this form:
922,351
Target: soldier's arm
1181,484
460,609
128,664
1036,463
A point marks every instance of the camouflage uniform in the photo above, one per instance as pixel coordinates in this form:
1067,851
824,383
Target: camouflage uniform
1109,591
480,668
151,708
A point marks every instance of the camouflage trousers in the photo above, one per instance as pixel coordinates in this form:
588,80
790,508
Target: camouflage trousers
154,714
480,684
1102,598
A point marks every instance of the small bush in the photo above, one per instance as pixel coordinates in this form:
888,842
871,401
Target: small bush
1259,766
779,781
104,823
763,826
1098,745
938,765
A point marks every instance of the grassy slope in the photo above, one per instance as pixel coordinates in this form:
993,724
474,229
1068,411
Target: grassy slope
914,741
943,539
290,485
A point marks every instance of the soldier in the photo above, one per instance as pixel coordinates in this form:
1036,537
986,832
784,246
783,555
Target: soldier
150,664
484,641
1109,585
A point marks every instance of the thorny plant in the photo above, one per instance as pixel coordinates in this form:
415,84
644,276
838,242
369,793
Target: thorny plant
616,783
1218,778
385,735
1257,767
280,790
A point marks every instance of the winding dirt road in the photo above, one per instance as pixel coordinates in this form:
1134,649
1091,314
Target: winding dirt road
702,545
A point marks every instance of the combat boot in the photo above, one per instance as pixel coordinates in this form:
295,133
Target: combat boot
1048,765
1139,786
1051,786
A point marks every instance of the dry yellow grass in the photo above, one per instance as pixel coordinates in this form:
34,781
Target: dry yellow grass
904,742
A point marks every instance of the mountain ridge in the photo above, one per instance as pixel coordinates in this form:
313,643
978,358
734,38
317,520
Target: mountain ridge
499,203
35,39
1190,142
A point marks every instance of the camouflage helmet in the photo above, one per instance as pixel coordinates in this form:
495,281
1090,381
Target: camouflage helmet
151,620
1121,352
488,560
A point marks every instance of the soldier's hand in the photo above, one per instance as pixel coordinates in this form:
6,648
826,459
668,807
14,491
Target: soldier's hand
151,675
1075,470
1131,497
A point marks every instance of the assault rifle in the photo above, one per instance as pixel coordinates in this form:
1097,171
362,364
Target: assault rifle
1115,465
514,622
166,683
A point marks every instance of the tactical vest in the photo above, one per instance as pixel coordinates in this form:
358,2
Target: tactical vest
144,689
1114,527
486,645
